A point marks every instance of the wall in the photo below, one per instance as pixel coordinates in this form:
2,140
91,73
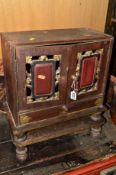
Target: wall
16,15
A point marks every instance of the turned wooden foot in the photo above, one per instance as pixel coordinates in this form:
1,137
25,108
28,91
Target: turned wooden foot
21,153
96,125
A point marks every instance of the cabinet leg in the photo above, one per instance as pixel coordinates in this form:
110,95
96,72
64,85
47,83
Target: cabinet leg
96,126
20,138
21,153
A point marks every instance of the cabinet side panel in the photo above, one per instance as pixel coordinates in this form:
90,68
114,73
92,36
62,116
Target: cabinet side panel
109,53
8,53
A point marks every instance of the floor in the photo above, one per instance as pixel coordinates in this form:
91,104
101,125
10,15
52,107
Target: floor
58,154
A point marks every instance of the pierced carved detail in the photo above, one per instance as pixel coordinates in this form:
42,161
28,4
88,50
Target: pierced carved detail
29,61
80,56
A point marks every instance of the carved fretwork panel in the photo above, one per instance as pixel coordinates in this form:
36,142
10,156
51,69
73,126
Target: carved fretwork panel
87,71
42,78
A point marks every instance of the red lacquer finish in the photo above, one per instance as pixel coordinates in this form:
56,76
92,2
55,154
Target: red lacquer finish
88,71
93,168
43,79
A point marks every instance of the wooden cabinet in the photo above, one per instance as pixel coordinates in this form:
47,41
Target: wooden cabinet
53,78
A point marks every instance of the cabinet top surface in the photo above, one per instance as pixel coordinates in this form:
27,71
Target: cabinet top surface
53,36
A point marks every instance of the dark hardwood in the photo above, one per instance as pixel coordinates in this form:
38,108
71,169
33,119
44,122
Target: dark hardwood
110,28
56,155
80,61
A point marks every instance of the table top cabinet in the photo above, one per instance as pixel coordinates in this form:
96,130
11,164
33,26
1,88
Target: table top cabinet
53,76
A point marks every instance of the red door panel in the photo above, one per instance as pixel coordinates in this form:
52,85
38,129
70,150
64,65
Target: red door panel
88,71
43,81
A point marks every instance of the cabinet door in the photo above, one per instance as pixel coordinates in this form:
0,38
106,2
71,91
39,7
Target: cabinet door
87,74
42,76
